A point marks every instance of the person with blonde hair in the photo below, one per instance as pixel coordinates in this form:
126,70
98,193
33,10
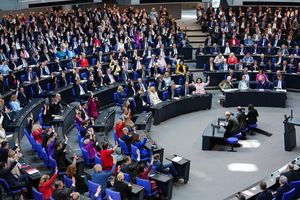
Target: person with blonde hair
14,103
14,156
121,95
153,96
37,133
45,185
122,187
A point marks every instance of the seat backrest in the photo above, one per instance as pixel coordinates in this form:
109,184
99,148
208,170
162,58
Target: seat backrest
127,177
81,144
144,183
123,146
41,119
67,181
296,185
133,152
45,156
37,195
113,194
93,189
116,97
115,136
165,95
52,163
85,156
289,195
98,160
5,185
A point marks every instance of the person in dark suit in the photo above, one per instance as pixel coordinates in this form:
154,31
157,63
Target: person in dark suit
160,83
284,187
91,85
241,117
279,83
37,89
62,192
291,173
265,194
263,84
22,97
5,173
188,77
60,155
100,79
252,115
122,187
141,85
131,91
109,78
215,50
80,92
63,80
231,125
3,87
129,167
4,151
127,138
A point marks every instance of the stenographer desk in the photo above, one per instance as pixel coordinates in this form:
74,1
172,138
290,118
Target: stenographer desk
174,107
212,136
257,97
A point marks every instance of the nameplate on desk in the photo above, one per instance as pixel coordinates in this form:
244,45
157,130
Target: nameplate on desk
57,116
280,90
231,90
261,90
176,98
32,171
177,159
248,193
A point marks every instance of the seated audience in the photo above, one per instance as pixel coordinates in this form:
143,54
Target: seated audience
265,194
231,125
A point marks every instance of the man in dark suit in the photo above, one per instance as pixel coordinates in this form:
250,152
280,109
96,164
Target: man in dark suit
91,85
127,138
79,91
3,87
291,173
188,77
22,97
141,85
4,151
263,84
264,194
284,187
62,192
109,78
122,187
231,125
160,83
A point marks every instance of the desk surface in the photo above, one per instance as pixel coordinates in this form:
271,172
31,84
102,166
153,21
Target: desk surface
295,121
160,177
219,132
183,161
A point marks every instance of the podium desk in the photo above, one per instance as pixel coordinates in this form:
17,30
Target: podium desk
212,136
182,167
164,182
290,133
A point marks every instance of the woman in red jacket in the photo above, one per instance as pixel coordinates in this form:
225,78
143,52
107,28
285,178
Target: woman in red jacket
143,173
84,61
45,185
232,60
119,128
107,159
37,132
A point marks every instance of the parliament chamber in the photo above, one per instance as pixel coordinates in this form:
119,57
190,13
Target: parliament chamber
134,100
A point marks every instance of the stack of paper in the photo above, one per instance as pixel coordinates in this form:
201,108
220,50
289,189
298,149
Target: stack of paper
177,159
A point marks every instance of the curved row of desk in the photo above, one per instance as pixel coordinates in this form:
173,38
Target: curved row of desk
292,80
253,190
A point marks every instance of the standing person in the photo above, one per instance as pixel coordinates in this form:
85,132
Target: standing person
122,187
106,156
251,115
93,106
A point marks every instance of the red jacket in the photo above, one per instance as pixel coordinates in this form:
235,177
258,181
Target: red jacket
119,129
84,62
47,188
107,160
37,135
